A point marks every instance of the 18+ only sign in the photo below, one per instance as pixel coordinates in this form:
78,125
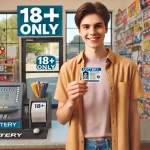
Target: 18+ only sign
39,20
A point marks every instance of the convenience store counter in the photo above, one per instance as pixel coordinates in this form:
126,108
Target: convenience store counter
57,136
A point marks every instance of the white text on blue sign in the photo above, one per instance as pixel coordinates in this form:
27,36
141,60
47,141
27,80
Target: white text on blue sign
90,69
45,62
39,20
10,124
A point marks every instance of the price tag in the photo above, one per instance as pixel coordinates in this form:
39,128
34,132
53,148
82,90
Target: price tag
45,62
39,20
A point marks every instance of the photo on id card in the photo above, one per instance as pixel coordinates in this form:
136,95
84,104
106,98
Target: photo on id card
91,74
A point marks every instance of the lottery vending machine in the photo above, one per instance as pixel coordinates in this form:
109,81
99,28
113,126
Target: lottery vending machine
16,119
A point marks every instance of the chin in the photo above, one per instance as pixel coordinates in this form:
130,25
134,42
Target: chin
94,46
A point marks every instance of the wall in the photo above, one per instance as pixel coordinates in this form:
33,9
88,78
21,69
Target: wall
128,2
67,4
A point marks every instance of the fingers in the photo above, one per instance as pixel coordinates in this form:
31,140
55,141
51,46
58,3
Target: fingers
76,95
77,82
75,91
77,86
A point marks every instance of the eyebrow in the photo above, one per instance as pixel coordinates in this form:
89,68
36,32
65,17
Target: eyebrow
99,23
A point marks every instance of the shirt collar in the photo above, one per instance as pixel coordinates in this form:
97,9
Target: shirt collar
80,56
110,56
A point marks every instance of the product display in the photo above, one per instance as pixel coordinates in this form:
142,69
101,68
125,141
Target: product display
132,40
8,70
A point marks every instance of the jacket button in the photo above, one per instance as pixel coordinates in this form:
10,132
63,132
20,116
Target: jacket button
82,141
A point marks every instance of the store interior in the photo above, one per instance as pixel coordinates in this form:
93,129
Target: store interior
128,35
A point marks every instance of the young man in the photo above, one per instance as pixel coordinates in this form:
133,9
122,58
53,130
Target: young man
101,115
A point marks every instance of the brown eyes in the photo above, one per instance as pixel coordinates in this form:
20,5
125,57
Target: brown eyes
86,27
99,26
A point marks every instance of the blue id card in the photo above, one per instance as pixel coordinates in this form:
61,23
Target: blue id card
91,74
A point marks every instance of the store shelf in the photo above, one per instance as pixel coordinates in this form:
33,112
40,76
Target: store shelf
119,27
134,45
117,40
7,72
135,17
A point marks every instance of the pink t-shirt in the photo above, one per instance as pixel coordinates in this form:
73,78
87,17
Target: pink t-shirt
96,113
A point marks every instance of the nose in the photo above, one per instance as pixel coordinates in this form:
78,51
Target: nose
92,31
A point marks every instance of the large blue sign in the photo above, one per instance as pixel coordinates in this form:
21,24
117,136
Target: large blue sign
10,125
39,20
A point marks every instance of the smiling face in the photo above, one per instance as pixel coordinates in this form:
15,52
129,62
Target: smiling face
93,30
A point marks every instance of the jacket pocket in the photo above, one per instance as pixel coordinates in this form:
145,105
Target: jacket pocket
123,91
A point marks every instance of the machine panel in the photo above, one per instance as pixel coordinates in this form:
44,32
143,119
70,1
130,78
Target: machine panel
11,102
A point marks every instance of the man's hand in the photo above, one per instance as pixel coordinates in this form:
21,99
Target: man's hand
75,90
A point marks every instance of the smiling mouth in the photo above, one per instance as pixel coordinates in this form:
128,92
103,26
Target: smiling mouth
93,39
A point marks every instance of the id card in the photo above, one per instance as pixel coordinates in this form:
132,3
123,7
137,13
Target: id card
91,74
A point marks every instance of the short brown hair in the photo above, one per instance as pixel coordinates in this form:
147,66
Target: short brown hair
92,8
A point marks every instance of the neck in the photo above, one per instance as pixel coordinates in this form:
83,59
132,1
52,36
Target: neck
97,53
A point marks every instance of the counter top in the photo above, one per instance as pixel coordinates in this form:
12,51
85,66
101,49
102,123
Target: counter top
56,138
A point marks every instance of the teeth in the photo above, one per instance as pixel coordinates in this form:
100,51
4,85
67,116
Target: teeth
92,39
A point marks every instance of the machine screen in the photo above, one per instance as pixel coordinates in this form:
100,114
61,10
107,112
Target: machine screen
8,95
